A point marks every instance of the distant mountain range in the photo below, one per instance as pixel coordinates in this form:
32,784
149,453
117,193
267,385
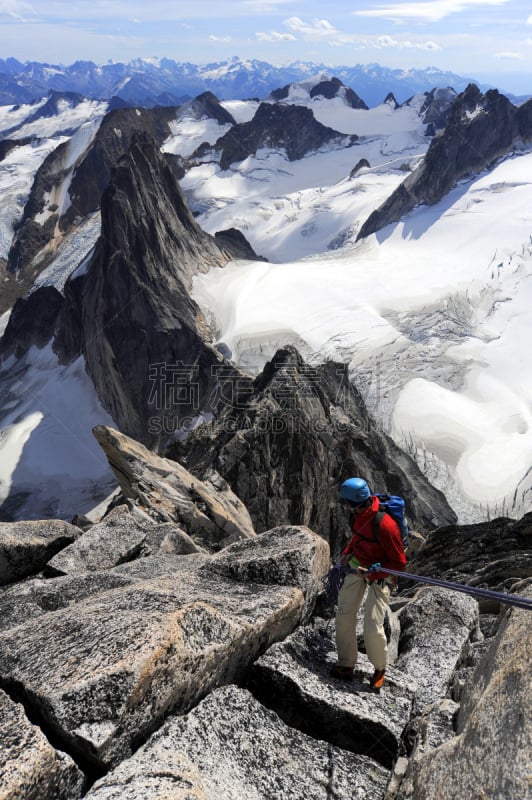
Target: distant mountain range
153,82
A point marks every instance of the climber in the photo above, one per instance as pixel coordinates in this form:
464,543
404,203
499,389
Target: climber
368,545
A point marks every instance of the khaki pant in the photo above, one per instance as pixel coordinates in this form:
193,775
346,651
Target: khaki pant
349,601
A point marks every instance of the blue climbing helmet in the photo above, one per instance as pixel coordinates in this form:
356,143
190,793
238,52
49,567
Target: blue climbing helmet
355,491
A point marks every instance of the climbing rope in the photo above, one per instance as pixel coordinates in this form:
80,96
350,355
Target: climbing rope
475,591
332,583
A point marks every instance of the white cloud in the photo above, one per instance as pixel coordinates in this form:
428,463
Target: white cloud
432,11
319,28
529,20
266,5
224,39
16,10
389,41
274,36
509,56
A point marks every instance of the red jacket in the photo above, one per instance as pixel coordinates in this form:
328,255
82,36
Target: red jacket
386,549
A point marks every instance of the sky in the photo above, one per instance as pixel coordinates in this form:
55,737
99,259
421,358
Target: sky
488,40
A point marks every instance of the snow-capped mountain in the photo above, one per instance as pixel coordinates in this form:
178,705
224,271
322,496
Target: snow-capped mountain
151,82
430,312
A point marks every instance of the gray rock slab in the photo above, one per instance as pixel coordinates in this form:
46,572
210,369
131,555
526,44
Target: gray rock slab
169,538
207,510
21,602
114,540
26,546
293,679
230,747
30,768
490,755
103,672
278,556
435,626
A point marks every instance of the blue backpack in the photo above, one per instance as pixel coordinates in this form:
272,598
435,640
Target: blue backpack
393,505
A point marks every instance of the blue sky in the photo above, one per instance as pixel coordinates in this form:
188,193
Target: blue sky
475,38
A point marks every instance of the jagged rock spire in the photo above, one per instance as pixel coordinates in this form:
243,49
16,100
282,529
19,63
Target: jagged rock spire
144,339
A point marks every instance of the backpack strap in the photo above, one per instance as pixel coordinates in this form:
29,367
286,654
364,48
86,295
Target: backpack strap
376,524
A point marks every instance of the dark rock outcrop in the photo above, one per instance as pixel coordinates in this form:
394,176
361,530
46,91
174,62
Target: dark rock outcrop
293,128
234,244
208,106
90,173
391,101
280,94
494,554
334,88
437,108
287,443
7,145
480,129
32,321
360,165
144,339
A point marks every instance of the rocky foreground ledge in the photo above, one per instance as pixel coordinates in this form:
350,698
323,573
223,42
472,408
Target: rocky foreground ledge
165,650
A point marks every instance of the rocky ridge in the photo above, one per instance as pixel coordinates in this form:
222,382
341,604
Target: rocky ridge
203,673
85,162
293,128
287,441
479,130
129,309
148,664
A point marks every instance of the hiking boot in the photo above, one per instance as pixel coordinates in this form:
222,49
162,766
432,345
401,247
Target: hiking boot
342,673
377,680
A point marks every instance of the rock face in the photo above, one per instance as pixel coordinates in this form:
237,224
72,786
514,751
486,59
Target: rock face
480,128
292,678
494,554
206,676
231,747
25,547
144,339
490,755
275,557
293,128
335,88
29,765
436,109
206,106
208,510
32,321
87,162
100,673
289,441
117,539
234,244
435,627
